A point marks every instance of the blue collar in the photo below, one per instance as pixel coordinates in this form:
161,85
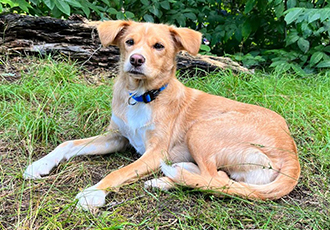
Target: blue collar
147,97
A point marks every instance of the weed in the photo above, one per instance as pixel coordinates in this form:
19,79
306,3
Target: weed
51,101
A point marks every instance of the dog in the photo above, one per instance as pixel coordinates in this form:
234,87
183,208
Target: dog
198,140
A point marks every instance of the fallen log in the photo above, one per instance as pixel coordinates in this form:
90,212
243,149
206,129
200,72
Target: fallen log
77,38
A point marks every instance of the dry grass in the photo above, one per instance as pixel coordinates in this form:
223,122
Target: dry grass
44,102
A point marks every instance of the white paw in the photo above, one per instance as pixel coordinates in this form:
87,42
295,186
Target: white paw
161,183
38,168
171,171
91,198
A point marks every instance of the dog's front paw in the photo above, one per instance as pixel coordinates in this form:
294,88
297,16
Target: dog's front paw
91,198
37,169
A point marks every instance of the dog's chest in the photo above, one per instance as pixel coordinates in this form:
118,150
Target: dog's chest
136,122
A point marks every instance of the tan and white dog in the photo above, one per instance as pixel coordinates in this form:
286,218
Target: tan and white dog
213,143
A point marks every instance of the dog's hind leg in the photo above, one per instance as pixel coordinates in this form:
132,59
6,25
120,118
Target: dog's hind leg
165,183
219,184
162,183
213,146
102,144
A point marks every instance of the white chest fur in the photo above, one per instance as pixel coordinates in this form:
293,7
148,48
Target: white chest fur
134,127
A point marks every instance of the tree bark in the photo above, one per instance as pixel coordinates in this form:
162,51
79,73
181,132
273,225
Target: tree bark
77,38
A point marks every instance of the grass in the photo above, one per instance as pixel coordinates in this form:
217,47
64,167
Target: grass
44,102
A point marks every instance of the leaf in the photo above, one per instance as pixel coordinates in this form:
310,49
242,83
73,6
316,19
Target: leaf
165,5
319,31
281,66
145,2
120,15
106,2
324,64
278,63
316,57
279,9
129,14
63,6
303,58
291,38
292,14
92,7
23,5
148,18
154,10
313,17
238,35
246,29
74,3
291,3
34,2
50,4
56,13
205,48
112,11
326,57
181,19
303,17
277,2
9,2
305,29
86,11
1,8
249,6
297,68
327,49
191,16
303,45
325,14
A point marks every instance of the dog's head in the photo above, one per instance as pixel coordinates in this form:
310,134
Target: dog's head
148,50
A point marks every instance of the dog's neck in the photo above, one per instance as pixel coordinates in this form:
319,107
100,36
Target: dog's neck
140,86
146,97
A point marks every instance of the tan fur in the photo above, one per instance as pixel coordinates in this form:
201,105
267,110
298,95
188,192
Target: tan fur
211,127
213,143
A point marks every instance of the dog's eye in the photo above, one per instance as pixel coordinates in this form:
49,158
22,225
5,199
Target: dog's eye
130,42
158,46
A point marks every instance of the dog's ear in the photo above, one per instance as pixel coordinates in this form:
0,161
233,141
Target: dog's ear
186,39
111,31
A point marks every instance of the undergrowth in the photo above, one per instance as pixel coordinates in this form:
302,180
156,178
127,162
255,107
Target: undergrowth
53,101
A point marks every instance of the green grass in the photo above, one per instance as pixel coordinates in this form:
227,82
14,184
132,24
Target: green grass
53,101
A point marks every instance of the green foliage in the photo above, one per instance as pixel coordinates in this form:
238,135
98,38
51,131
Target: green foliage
290,35
308,34
65,8
12,4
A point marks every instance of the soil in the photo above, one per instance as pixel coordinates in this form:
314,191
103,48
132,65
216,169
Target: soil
123,201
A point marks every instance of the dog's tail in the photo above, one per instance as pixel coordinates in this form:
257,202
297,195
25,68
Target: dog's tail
221,184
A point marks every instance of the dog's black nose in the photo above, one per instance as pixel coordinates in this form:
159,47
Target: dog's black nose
137,60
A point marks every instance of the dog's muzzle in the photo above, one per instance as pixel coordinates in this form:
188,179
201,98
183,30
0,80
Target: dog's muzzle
136,61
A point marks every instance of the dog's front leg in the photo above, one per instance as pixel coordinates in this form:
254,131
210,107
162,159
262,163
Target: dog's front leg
110,142
95,196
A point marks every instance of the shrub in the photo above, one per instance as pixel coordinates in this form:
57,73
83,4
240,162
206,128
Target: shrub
291,35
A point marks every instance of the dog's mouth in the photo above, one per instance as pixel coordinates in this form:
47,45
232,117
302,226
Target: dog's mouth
136,73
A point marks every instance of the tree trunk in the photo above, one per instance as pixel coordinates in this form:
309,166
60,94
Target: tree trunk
76,38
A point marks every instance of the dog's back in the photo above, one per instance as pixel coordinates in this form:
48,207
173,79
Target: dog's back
208,142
